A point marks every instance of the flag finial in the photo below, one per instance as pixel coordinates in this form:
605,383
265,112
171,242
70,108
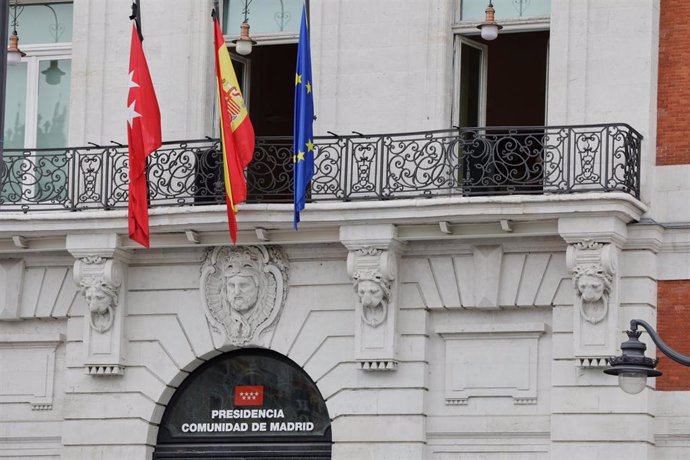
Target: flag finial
136,17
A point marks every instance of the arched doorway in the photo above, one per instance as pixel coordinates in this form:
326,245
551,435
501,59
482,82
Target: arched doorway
246,404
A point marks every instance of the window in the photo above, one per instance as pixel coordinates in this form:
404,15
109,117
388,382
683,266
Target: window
38,89
487,73
37,105
500,95
268,73
267,77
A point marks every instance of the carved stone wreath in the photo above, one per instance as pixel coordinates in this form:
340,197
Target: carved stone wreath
243,290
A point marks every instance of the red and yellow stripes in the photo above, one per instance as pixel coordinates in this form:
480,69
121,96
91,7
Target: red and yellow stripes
237,132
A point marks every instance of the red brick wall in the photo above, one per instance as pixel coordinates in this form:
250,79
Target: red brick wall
673,321
673,117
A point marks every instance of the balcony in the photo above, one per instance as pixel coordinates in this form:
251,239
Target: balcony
466,162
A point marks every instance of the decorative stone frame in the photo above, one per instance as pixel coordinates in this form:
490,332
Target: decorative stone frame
266,267
33,381
491,360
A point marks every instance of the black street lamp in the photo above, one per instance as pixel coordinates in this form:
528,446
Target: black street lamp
633,367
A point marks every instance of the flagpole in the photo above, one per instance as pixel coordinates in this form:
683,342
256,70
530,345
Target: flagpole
136,16
215,14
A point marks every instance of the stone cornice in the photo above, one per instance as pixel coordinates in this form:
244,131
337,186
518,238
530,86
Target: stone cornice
416,219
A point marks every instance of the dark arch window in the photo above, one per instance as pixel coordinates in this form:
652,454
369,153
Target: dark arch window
249,403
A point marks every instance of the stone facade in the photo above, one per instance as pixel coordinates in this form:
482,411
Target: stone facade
454,327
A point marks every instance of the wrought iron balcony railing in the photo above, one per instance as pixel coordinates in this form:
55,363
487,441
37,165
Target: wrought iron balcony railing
465,162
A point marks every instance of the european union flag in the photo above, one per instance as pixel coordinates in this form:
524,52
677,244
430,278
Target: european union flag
303,143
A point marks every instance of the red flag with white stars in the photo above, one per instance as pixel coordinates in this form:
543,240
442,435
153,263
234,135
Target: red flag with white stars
143,137
249,395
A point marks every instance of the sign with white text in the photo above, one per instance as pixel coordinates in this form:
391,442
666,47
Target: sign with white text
251,394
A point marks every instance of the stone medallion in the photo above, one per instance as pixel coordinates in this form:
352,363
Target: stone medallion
243,290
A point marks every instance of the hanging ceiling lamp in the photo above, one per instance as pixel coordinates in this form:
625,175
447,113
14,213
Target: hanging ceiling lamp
243,45
489,28
14,54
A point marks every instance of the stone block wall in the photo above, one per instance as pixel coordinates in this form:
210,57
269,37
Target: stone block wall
168,335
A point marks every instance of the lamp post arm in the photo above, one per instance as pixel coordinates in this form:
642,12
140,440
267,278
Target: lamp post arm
668,351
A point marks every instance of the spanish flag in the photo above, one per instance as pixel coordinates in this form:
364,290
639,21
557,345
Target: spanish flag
236,131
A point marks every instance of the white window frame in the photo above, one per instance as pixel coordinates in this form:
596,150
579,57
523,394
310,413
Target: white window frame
246,75
265,39
457,60
538,24
35,54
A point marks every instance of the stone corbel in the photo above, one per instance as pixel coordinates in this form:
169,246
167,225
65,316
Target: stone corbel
593,266
372,263
100,274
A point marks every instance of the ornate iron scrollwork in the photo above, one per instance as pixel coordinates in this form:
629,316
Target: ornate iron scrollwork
467,161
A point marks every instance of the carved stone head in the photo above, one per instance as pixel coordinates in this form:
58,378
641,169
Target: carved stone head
243,277
101,298
243,290
374,294
593,286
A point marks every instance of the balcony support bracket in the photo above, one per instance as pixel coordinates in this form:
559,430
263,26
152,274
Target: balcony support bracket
100,273
372,262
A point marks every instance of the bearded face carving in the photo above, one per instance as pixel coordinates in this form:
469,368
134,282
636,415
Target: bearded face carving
243,289
593,285
374,294
241,292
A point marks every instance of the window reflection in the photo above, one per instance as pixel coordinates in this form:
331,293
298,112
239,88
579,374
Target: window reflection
264,17
53,104
473,10
44,23
15,106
